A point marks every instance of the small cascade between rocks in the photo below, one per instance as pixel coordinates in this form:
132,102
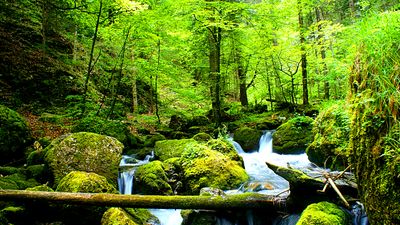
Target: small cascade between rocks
262,180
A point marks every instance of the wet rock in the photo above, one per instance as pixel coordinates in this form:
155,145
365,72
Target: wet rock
248,138
152,179
293,136
323,213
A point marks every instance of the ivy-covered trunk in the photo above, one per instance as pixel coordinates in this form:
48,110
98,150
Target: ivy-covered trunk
375,131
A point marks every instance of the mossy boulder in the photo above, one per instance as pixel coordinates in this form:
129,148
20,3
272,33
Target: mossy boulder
293,136
17,181
248,138
117,216
84,182
171,148
15,135
42,187
128,216
152,179
226,148
323,213
204,167
152,139
331,131
202,137
87,152
78,181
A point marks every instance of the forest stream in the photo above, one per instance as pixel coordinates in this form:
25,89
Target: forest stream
262,180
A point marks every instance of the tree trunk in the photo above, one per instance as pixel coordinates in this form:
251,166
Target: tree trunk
238,201
303,54
90,67
135,105
215,75
242,78
156,81
323,53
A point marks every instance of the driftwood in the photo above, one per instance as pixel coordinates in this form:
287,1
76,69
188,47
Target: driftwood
303,184
237,201
299,181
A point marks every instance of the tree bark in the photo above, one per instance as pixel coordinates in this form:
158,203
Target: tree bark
303,54
238,201
215,73
319,16
242,79
90,67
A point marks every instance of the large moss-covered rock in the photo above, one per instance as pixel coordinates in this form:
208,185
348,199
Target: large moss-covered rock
78,181
247,137
152,139
323,213
204,167
331,132
14,135
171,148
226,148
375,125
152,179
293,136
117,216
85,152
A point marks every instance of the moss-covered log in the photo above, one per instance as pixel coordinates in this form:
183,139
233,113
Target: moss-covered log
246,200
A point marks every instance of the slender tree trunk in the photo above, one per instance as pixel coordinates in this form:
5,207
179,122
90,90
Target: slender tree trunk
74,54
303,54
156,81
215,75
90,67
268,83
135,105
242,78
323,54
120,73
45,23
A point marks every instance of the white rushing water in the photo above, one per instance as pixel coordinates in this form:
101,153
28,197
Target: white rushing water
262,179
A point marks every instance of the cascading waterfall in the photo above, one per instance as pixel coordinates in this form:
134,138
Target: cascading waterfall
262,180
126,175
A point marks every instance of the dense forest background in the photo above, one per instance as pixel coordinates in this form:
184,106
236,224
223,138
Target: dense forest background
143,71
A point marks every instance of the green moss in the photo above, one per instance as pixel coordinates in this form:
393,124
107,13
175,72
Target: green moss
152,179
152,139
375,127
17,181
38,172
204,167
171,148
15,135
42,187
331,132
142,216
293,136
77,181
323,213
117,216
202,137
8,170
247,137
226,148
85,152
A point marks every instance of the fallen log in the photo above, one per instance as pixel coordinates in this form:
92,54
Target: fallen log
236,201
299,181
